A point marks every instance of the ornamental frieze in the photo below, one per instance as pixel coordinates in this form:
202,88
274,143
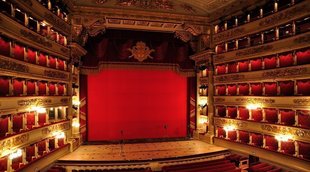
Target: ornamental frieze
35,38
64,100
254,50
228,34
302,101
59,127
20,139
57,22
256,100
10,65
302,39
219,100
34,102
284,129
5,144
55,74
284,72
222,122
234,77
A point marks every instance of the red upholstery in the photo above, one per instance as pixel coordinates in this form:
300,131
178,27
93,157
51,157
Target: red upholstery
286,60
244,137
275,170
18,122
221,90
51,144
221,132
304,150
220,48
31,88
4,124
243,113
271,143
42,59
43,30
221,111
271,115
287,117
53,35
243,89
31,56
232,135
303,118
232,89
286,88
52,89
303,87
3,163
42,88
61,40
4,86
257,89
4,47
244,66
264,169
61,64
232,111
30,153
18,87
17,162
42,119
257,115
41,147
257,139
18,52
30,118
288,147
61,142
256,64
270,88
52,62
257,166
270,62
303,56
61,89
221,69
232,67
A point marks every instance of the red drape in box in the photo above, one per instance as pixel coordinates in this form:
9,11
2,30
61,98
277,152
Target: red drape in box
232,90
303,57
271,143
53,35
42,119
243,89
18,87
30,153
4,47
270,88
286,60
61,40
42,88
257,115
31,88
221,90
42,59
51,89
61,142
232,67
30,118
31,56
61,89
220,48
256,89
244,66
18,52
41,147
244,137
61,64
3,163
271,115
4,86
288,147
287,117
221,111
243,113
221,132
51,144
4,124
17,122
256,64
303,118
286,88
221,69
232,111
303,87
304,150
232,135
257,139
43,30
17,163
52,62
270,62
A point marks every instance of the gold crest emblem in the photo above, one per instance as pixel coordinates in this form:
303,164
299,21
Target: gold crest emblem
140,51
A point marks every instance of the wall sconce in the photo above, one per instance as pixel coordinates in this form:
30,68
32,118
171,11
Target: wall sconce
229,127
253,106
202,103
38,109
284,137
75,101
203,120
59,134
75,122
16,154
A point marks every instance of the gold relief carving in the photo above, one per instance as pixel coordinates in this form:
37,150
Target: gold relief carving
219,100
254,50
256,100
9,65
35,38
284,72
55,74
58,127
57,22
34,102
284,129
114,21
5,144
150,4
185,36
64,100
45,131
235,77
20,139
304,101
303,39
140,51
228,34
237,123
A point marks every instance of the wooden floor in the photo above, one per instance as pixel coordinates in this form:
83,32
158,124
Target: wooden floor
142,151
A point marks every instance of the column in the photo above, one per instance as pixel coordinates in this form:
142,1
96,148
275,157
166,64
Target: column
211,95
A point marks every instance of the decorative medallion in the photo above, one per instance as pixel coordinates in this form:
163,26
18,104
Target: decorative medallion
285,72
150,4
140,51
34,102
188,8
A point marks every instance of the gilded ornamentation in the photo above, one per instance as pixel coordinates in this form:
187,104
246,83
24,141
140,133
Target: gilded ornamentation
55,74
284,129
57,22
36,38
140,51
228,34
188,8
234,77
219,100
284,72
150,4
254,50
222,122
34,102
303,39
20,139
9,65
64,100
303,101
256,100
185,36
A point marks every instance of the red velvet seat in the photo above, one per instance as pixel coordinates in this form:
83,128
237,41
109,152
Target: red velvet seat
42,88
270,62
257,166
257,139
232,89
243,113
52,62
17,163
51,144
221,111
303,87
61,64
220,69
220,48
30,153
31,87
270,88
42,59
18,52
4,86
257,115
18,122
288,147
271,143
3,163
286,88
61,142
221,90
61,89
4,46
232,67
287,117
271,115
232,135
243,66
256,89
42,119
264,169
286,60
4,125
18,87
303,56
256,64
61,39
53,35
30,118
221,132
31,56
243,89
51,89
232,111
303,118
304,150
244,136
41,147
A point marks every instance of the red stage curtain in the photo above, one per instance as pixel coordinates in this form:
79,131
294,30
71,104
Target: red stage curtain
18,87
257,89
232,135
30,153
243,113
220,69
221,132
286,88
244,66
17,122
52,62
31,88
61,142
286,60
51,89
244,136
303,87
271,115
42,119
4,86
256,64
41,147
270,62
51,144
221,90
31,56
257,139
232,111
232,90
3,163
303,118
18,52
257,115
243,89
304,150
271,143
61,64
270,88
288,147
17,163
287,117
30,117
303,56
61,89
4,124
4,47
232,67
42,88
221,111
42,59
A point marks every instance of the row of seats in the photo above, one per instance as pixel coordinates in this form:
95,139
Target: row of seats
264,167
56,8
113,170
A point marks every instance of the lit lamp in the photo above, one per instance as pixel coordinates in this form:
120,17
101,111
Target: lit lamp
253,106
229,128
75,101
203,103
203,121
284,137
59,134
75,123
16,154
